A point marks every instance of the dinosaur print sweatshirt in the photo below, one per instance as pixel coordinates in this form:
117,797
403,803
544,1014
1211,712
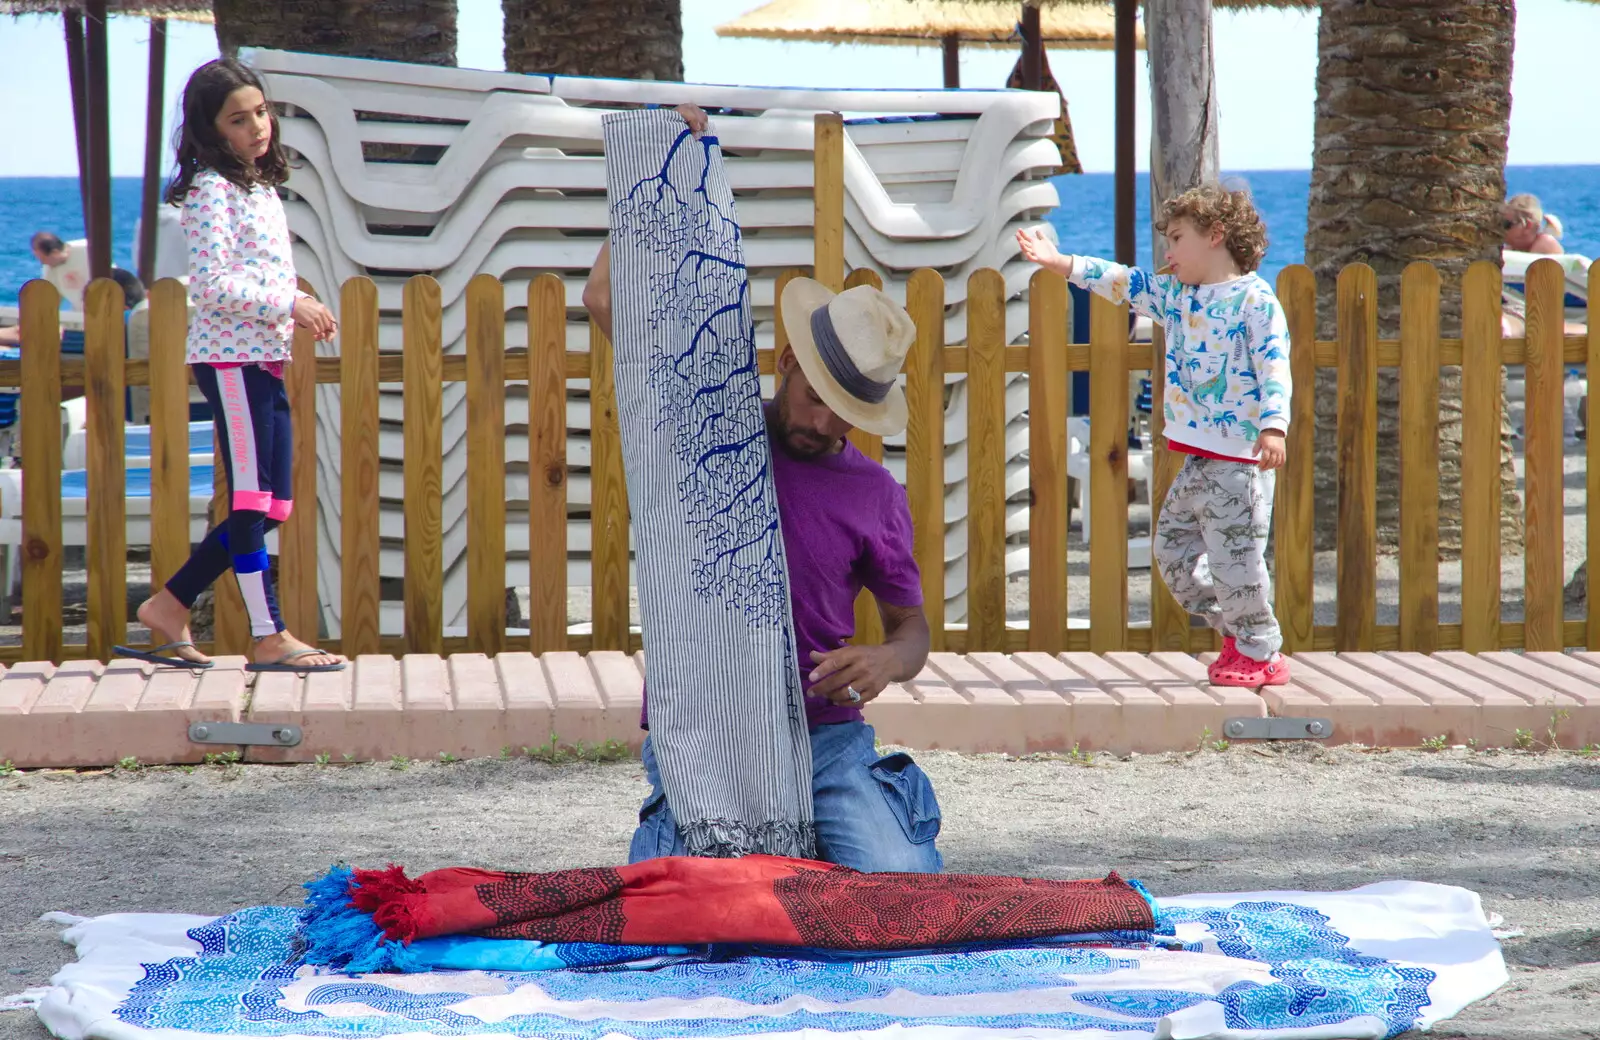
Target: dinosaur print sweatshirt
1227,354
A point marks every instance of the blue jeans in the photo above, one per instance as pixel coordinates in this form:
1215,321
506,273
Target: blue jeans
875,813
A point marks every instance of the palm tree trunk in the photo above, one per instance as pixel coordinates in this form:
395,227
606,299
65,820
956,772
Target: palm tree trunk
1184,150
630,39
418,31
1413,111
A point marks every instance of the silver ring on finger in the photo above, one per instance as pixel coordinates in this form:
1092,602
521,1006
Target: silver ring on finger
855,697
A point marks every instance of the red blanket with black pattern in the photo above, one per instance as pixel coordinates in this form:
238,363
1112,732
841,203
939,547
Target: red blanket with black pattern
765,900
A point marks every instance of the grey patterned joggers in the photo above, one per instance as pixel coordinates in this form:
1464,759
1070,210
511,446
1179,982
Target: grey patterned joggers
1211,544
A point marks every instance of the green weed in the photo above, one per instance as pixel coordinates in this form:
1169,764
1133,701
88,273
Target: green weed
553,752
1438,743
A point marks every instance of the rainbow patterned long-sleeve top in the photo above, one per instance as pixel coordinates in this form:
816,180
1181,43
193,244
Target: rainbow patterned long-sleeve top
1227,363
241,275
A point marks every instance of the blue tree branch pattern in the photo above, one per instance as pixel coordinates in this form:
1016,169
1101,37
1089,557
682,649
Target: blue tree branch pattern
710,390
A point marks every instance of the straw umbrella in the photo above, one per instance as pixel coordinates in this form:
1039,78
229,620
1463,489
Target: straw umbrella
924,23
945,23
84,22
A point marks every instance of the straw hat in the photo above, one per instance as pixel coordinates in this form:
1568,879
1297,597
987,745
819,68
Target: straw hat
851,346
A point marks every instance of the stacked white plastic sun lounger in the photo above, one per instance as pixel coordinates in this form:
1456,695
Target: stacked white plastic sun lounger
504,175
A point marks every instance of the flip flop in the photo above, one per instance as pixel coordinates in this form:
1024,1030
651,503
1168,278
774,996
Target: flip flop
286,663
154,656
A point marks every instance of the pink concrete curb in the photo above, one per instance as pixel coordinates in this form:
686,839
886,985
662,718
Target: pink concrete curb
83,713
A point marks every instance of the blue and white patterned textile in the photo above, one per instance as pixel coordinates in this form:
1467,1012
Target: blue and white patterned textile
727,715
1368,963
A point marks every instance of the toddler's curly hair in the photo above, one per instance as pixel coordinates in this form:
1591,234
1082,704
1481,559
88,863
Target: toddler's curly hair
1211,206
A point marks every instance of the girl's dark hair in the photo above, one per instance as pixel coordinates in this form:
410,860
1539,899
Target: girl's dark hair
199,145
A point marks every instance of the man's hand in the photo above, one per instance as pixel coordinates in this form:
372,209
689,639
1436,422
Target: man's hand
865,669
698,121
1270,449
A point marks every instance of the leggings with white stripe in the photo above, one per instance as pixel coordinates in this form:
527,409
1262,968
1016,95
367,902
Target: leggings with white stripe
253,428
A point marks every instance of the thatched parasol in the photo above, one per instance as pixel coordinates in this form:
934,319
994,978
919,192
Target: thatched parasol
1082,25
87,70
946,23
171,10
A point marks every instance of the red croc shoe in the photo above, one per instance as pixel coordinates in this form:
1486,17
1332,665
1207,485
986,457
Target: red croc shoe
1230,653
1250,673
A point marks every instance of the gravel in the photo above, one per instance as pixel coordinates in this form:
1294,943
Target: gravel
1522,829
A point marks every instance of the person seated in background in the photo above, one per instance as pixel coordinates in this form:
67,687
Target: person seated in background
64,265
1528,228
132,296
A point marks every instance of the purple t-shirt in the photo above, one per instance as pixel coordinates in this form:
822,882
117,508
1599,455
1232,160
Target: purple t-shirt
846,524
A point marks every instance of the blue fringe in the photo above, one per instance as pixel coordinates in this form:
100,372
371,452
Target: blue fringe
337,935
1160,919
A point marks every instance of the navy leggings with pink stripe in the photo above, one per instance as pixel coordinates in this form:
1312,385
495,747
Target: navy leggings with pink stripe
252,417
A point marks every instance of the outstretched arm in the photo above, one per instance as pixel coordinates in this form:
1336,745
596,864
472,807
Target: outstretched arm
1131,285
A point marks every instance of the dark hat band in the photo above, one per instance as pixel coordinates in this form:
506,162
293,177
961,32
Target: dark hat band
837,360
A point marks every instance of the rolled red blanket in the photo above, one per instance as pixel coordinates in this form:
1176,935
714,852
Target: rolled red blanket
764,900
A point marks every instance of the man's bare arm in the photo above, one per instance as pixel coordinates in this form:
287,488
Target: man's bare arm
597,290
905,632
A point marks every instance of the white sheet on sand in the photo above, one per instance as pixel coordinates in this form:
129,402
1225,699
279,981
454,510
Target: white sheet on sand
1371,962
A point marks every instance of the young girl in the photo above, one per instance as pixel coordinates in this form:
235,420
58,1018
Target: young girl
1226,409
242,285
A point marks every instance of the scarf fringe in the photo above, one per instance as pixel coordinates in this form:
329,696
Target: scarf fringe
340,929
731,839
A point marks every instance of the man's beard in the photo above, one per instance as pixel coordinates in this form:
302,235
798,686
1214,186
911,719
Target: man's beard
794,443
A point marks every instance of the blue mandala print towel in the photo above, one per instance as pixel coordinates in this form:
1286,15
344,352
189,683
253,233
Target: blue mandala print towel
1369,963
727,718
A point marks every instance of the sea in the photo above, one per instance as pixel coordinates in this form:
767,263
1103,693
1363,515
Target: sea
1084,219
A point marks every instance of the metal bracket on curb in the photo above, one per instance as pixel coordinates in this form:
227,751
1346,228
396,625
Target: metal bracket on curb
272,734
1270,728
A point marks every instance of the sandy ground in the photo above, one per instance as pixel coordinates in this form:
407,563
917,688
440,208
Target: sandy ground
1522,829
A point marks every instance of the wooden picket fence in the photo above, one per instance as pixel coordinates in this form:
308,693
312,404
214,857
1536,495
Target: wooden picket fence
985,359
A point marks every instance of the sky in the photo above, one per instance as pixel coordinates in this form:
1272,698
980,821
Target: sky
1265,61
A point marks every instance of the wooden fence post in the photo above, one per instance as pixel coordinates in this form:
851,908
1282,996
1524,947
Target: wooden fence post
608,498
986,461
1108,475
104,351
547,464
1545,553
925,442
1358,459
1047,462
1419,458
358,457
1592,461
869,623
1481,376
169,431
1169,622
1294,546
486,465
41,460
422,392
297,538
827,190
